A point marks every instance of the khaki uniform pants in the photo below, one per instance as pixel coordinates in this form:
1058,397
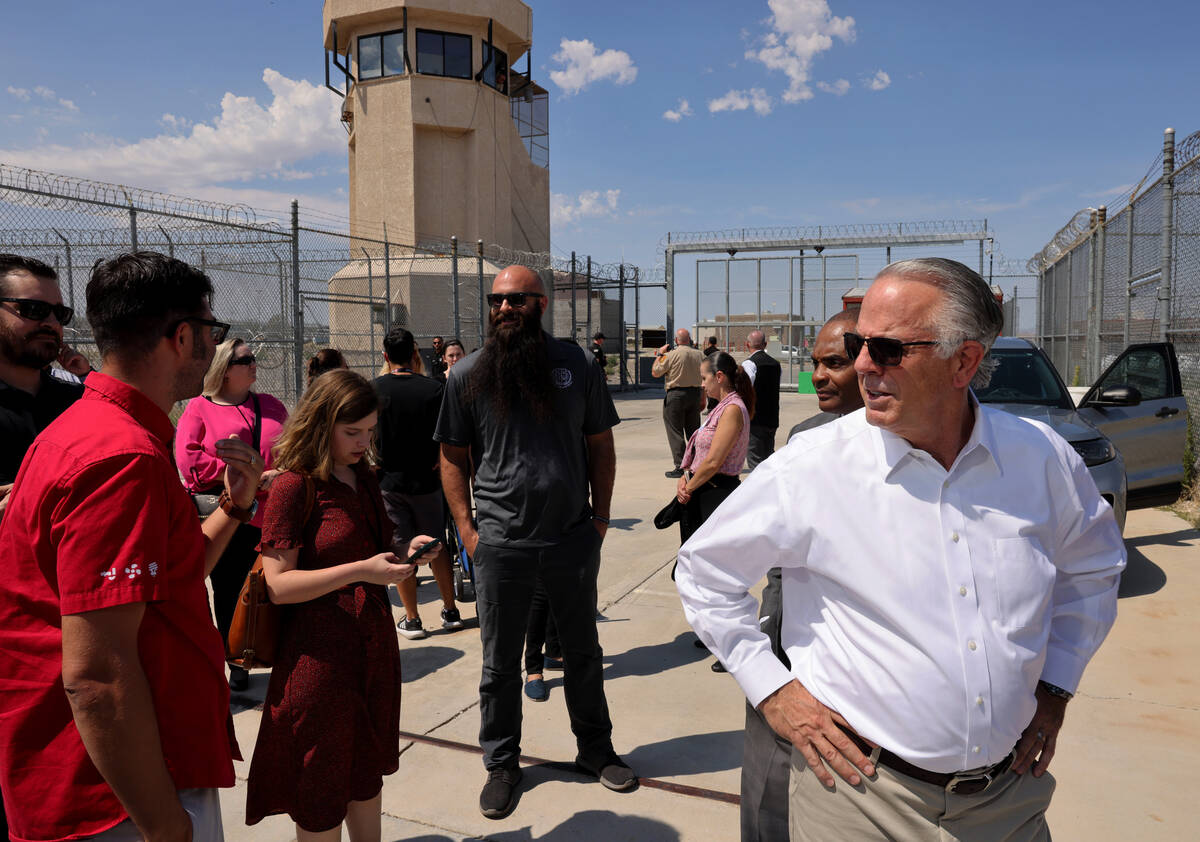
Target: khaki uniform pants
896,807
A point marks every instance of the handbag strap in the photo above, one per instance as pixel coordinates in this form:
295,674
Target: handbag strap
256,435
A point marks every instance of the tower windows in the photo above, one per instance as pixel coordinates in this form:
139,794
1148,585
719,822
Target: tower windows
444,54
381,54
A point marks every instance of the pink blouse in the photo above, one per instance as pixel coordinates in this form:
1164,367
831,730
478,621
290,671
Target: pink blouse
203,423
702,439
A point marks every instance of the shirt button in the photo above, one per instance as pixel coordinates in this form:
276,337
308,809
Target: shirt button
962,591
971,645
975,749
954,537
979,700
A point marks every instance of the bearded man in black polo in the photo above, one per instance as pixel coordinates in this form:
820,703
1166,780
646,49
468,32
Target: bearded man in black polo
532,416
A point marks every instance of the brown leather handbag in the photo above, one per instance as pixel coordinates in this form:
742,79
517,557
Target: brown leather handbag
254,632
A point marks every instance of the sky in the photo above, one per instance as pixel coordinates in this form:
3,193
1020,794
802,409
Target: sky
680,115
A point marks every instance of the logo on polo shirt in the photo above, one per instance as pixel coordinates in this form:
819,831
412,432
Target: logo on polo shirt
154,568
109,574
133,571
562,377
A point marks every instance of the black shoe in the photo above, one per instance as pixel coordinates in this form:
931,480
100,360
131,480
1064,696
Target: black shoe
499,794
612,772
717,666
451,619
675,474
239,679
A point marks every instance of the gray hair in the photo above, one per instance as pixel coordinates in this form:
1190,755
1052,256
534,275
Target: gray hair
969,310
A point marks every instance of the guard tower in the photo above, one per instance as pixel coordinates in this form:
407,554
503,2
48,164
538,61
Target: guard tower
445,137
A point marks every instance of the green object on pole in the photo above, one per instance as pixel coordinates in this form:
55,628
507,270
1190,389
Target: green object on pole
804,384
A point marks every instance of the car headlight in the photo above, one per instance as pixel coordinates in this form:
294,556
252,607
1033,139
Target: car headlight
1095,451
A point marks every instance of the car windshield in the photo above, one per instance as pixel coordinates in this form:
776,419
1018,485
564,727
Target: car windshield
1023,375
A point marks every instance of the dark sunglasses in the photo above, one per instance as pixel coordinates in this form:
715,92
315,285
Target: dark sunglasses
216,329
37,311
883,350
249,359
515,299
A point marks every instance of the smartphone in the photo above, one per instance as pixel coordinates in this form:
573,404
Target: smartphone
425,548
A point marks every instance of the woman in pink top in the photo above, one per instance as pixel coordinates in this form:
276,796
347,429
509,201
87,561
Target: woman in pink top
227,407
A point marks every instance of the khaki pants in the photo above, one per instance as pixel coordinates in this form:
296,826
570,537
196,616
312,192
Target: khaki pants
202,805
894,806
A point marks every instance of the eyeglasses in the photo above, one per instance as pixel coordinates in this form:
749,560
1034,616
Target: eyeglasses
515,299
883,350
249,359
217,330
37,311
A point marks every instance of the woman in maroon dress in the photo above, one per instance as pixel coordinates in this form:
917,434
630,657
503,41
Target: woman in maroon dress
331,720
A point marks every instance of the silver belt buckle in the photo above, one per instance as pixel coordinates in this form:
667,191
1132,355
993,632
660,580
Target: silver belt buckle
983,779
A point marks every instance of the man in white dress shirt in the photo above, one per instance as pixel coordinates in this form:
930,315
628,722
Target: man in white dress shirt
948,572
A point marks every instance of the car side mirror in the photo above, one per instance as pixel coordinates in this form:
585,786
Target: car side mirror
1117,396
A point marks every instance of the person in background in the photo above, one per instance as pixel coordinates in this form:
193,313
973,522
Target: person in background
717,450
711,347
765,373
408,476
327,359
766,756
598,350
680,370
32,317
112,674
330,727
226,407
453,352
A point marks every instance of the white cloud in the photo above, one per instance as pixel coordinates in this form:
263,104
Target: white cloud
44,92
590,203
68,105
583,65
25,95
755,98
245,142
860,205
679,112
839,88
879,81
20,93
175,123
800,31
1119,190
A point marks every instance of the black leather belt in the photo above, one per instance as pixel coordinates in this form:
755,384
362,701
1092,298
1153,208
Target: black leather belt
971,782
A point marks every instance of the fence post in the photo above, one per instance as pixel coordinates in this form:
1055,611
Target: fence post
728,335
1091,328
669,279
170,242
1098,261
70,277
133,237
621,298
1128,280
482,302
297,312
454,279
387,283
370,300
587,289
574,322
1165,297
1068,372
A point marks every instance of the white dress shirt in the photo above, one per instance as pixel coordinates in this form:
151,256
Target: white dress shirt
750,367
921,604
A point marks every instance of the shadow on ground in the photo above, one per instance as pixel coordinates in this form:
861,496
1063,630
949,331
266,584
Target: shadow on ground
582,827
420,661
1142,576
693,754
654,658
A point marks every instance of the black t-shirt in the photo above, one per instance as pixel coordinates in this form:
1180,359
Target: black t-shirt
23,416
598,353
408,414
531,479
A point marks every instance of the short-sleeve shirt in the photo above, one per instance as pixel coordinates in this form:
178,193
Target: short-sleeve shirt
23,416
408,413
679,367
98,519
531,478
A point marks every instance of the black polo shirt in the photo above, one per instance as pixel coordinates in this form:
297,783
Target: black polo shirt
531,478
408,413
23,416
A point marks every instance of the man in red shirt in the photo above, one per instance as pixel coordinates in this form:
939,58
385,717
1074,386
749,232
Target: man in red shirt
114,710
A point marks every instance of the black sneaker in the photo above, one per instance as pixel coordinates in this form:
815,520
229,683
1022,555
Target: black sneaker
612,772
451,619
499,794
412,629
675,474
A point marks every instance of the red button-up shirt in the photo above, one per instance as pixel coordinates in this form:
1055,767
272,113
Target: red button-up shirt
98,518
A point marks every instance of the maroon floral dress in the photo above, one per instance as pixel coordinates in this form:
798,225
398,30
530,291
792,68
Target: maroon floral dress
330,726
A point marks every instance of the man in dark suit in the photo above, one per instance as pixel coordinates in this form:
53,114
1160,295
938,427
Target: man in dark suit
764,373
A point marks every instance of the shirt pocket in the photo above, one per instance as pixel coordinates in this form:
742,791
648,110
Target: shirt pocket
1024,582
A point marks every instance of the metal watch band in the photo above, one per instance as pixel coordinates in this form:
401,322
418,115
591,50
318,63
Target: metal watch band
1055,690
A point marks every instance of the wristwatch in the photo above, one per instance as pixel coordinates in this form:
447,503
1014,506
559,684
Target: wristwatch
239,514
1055,690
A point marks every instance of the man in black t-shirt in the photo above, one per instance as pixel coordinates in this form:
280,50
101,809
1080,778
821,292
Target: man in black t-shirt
533,415
598,350
408,458
32,316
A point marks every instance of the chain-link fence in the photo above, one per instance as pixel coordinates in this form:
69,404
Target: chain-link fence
1106,281
291,284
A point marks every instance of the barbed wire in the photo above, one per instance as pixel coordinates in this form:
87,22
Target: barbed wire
1079,228
817,232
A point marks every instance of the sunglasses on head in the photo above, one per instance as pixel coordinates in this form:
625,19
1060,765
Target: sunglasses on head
249,359
37,311
514,299
883,350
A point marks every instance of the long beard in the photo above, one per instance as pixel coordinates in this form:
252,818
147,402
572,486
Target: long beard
514,365
19,350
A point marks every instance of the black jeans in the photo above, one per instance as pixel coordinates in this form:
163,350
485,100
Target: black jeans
505,580
541,631
762,445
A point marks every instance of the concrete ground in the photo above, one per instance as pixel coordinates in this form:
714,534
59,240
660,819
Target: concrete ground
1127,759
